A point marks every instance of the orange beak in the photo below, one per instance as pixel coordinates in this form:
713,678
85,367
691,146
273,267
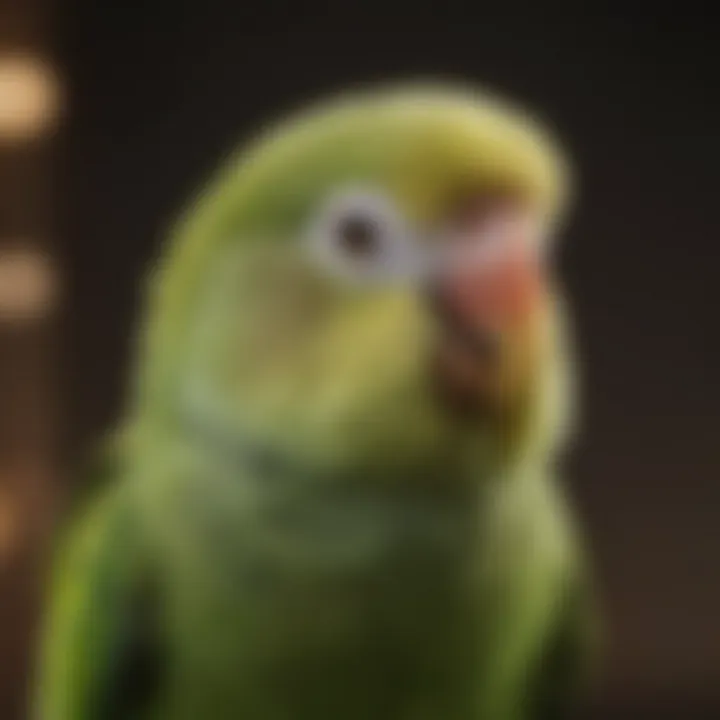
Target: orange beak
487,299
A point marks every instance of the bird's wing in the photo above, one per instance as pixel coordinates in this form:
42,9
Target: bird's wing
100,658
567,666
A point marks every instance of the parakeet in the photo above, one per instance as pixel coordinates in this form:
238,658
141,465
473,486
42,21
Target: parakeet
333,493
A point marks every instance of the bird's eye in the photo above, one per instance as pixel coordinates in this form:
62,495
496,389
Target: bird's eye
360,235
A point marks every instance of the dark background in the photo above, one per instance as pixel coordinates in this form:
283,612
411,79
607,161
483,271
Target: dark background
158,95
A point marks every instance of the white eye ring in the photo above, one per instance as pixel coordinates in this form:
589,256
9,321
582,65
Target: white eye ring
360,236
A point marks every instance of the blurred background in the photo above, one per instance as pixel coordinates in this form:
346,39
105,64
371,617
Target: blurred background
112,113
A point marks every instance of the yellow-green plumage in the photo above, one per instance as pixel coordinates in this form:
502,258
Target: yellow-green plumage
294,529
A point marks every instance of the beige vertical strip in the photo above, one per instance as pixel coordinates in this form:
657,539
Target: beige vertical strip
29,112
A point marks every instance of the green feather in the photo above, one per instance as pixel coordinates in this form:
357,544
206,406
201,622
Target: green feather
293,528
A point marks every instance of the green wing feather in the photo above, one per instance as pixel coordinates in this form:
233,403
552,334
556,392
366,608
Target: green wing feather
568,665
100,655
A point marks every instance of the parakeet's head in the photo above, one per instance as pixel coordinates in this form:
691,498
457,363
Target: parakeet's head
367,286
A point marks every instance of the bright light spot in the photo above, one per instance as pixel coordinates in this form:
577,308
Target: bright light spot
29,97
28,284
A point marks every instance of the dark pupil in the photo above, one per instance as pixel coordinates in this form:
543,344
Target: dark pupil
359,236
